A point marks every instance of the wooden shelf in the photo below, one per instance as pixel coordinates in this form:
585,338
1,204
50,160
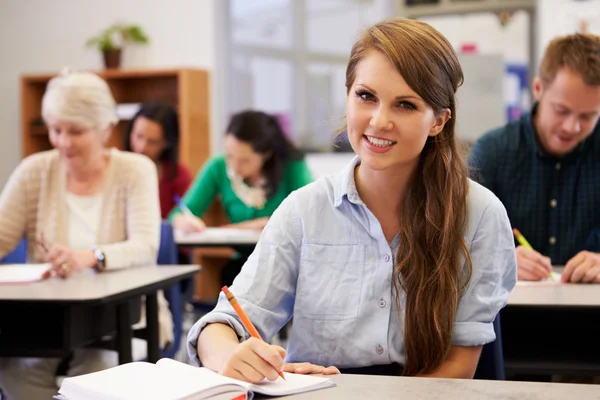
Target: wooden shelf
185,89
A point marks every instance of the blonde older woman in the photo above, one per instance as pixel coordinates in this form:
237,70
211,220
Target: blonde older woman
94,207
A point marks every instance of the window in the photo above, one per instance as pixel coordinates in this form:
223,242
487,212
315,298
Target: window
288,58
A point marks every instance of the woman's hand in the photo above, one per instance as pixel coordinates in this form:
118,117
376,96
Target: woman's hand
254,360
188,223
66,261
306,368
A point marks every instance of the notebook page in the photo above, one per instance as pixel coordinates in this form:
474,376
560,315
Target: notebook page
553,279
218,235
203,376
153,383
22,273
293,384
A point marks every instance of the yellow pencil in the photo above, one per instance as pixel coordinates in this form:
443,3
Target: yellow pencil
521,239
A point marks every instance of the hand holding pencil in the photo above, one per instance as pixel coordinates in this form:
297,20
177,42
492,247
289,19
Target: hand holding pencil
186,221
254,357
531,265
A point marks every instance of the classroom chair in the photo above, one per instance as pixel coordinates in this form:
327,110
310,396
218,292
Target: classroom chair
167,255
18,255
491,361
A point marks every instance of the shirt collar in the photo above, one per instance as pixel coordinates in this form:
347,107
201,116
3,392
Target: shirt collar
345,185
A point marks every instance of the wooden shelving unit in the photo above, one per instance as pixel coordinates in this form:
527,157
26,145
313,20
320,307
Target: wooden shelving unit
186,89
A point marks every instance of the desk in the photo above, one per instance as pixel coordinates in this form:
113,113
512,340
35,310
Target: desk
387,387
75,312
552,329
218,237
214,247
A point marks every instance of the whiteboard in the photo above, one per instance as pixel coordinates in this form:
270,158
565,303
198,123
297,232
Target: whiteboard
480,100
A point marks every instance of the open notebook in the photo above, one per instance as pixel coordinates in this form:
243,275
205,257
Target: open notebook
22,273
172,380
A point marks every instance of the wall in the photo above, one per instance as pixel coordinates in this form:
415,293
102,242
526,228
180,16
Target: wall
561,17
484,31
39,36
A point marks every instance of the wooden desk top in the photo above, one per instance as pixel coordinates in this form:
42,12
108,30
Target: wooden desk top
89,286
387,387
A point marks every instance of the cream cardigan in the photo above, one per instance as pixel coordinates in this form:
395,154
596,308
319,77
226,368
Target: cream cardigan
33,203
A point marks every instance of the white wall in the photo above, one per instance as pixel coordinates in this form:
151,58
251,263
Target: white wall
41,36
561,17
484,30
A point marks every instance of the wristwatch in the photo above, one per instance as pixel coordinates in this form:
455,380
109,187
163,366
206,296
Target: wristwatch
100,259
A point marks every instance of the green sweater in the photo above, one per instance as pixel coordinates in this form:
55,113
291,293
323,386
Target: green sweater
212,181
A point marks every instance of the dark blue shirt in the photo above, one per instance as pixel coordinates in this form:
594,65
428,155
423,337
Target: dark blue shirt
554,202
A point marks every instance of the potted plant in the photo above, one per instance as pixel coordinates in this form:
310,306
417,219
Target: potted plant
112,40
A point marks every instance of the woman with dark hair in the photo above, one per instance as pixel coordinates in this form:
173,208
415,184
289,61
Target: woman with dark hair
154,132
259,169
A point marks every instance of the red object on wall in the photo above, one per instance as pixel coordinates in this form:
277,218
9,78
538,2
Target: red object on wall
468,48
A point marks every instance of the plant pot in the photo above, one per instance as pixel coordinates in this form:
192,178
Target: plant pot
112,58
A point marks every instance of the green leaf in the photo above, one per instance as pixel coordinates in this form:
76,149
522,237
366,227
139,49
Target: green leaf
116,35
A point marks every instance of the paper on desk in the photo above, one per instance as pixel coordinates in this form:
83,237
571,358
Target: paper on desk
218,235
22,273
553,279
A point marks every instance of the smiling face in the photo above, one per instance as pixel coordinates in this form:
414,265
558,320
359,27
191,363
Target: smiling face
388,122
567,113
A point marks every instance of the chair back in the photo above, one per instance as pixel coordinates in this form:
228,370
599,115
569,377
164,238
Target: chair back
491,361
167,255
18,255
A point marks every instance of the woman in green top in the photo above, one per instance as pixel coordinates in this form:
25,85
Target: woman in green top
259,169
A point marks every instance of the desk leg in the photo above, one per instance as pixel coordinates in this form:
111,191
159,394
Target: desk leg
152,327
124,333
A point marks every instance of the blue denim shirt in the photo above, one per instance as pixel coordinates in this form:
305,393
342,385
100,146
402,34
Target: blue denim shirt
323,259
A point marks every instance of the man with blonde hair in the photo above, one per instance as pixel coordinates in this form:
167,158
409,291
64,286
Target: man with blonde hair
545,167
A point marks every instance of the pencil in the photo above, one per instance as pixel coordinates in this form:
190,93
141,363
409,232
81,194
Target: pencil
245,320
182,206
521,239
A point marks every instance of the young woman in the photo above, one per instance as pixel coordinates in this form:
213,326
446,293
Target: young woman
154,132
396,265
259,169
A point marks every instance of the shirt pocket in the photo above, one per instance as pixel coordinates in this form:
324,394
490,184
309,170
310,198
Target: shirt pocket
330,281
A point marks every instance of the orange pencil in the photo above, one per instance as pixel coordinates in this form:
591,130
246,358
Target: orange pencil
245,320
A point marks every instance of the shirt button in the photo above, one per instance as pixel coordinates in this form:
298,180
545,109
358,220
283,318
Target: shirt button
382,303
379,349
552,240
386,258
557,166
553,203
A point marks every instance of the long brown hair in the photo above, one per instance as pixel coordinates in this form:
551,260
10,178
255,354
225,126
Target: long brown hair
434,211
